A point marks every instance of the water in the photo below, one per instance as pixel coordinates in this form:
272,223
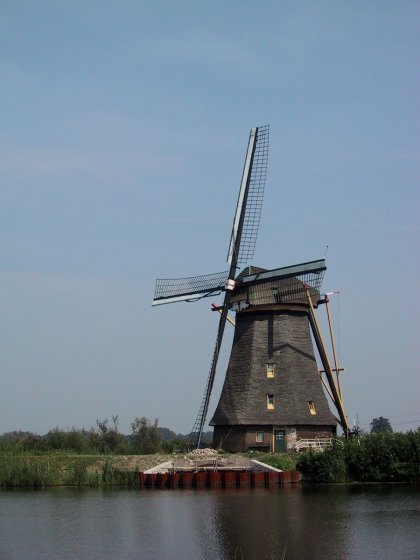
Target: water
323,522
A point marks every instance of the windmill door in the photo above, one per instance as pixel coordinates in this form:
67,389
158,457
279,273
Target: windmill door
279,441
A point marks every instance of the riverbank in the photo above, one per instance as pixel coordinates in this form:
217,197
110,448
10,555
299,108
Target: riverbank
69,469
372,458
61,469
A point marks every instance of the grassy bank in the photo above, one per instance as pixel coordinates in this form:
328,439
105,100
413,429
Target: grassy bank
61,469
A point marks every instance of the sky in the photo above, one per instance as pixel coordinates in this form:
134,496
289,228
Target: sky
124,127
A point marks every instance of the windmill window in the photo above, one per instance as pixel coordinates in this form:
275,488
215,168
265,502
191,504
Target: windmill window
270,402
270,370
312,408
259,437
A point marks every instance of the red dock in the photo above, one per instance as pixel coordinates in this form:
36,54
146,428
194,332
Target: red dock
229,478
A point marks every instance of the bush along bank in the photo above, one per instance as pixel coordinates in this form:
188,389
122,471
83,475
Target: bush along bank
383,457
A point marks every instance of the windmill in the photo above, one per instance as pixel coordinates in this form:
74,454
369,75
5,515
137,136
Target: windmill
272,392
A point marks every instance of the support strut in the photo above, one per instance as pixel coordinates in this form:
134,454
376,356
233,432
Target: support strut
334,390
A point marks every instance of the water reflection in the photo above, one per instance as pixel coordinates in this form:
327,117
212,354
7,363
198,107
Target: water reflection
347,522
323,522
306,524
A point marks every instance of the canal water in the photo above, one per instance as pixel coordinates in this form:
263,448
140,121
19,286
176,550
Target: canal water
377,522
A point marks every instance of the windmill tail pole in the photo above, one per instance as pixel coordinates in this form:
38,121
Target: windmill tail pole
336,365
325,362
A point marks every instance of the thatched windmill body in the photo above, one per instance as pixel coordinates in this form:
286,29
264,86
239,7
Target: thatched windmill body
272,394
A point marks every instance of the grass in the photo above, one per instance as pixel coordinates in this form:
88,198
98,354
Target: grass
60,469
282,461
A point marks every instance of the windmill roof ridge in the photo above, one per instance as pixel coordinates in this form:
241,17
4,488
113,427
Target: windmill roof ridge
249,270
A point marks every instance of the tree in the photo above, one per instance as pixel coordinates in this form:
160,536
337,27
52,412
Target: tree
107,437
379,425
145,436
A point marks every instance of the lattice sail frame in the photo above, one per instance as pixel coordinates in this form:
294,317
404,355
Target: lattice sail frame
250,200
168,290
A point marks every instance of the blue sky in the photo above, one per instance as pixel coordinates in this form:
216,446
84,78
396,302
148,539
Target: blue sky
123,132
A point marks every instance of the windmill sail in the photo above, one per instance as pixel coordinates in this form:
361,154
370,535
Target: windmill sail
202,413
170,290
245,227
251,193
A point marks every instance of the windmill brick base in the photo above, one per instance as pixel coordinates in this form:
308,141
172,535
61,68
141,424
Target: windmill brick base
272,395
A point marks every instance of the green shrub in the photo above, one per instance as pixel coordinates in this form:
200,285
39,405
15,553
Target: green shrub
378,457
324,466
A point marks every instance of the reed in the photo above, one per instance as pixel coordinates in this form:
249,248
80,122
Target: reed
62,470
112,476
23,471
